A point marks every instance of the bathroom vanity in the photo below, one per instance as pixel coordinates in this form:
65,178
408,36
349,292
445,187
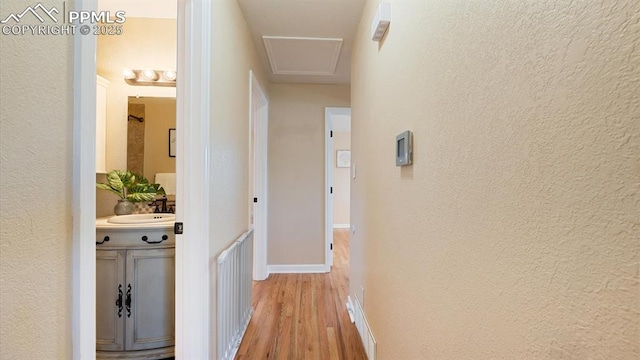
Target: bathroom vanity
135,277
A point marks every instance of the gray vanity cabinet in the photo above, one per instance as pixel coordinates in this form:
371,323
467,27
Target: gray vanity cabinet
135,295
110,283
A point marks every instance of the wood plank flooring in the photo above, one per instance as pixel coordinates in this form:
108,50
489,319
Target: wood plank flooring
303,316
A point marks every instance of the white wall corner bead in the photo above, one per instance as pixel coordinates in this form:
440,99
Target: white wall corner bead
381,21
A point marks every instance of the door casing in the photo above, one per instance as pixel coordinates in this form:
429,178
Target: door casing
258,128
193,181
329,114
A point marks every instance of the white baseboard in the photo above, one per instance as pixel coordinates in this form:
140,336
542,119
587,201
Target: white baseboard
366,336
297,269
341,226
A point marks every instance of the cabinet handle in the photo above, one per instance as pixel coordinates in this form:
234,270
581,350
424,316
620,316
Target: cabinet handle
119,301
127,302
106,238
146,239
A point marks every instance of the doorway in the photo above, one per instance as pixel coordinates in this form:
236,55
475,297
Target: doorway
337,175
192,312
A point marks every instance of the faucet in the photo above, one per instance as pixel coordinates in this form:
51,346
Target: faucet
159,202
164,204
161,206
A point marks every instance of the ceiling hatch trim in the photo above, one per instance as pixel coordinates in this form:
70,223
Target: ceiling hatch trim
302,55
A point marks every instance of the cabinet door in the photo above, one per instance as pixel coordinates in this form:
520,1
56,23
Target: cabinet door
151,274
110,295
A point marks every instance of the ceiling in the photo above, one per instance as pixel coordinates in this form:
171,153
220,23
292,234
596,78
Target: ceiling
319,20
322,33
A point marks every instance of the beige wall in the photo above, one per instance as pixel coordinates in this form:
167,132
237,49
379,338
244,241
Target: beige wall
296,170
341,180
514,235
233,56
36,118
145,43
160,116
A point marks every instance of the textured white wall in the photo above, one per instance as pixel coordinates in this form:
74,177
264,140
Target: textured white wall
515,234
35,193
296,170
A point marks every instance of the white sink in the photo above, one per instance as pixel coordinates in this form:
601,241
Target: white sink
141,218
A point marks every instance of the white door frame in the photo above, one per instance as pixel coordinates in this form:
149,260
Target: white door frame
329,113
192,167
84,194
193,285
259,125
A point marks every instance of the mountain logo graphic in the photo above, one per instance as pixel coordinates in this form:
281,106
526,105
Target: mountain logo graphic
35,12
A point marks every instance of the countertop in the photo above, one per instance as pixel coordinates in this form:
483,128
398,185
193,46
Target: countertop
102,224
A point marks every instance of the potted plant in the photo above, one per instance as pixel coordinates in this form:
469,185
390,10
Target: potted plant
130,188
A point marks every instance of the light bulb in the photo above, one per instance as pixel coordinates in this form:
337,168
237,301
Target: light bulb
129,74
169,75
149,74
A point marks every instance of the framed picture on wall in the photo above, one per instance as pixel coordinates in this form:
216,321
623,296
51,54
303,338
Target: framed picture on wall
172,142
343,158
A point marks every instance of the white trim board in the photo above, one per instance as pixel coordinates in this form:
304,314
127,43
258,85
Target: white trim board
83,326
298,269
341,226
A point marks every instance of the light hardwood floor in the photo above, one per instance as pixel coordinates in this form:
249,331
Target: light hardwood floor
303,316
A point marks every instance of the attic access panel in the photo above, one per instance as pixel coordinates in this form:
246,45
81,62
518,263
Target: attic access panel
302,55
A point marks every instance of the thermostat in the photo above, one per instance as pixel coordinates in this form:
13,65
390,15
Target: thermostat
404,148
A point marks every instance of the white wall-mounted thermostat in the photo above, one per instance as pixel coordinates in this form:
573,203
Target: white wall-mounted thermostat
404,148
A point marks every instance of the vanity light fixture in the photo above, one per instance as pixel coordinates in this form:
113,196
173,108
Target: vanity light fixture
150,77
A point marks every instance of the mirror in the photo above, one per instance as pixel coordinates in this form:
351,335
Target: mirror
147,43
148,135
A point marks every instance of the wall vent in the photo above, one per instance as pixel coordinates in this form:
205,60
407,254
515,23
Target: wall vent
364,330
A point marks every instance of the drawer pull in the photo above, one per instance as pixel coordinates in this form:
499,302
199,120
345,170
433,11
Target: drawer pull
146,239
127,301
119,301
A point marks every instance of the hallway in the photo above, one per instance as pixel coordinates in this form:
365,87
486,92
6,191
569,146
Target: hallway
303,316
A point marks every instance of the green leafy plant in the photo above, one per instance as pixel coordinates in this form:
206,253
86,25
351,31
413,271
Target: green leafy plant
130,186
